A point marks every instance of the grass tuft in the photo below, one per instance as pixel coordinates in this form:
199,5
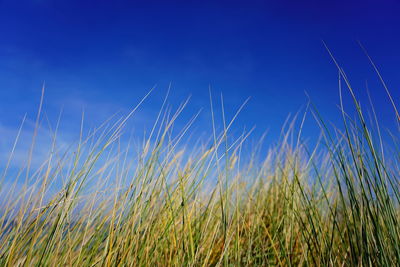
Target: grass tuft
164,202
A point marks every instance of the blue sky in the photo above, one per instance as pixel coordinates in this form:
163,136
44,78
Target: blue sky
103,56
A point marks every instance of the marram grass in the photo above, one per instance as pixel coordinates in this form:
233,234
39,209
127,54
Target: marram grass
164,203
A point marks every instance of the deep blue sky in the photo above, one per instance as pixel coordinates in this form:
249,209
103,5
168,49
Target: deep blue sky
105,55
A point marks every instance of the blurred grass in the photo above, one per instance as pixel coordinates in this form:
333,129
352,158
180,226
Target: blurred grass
333,204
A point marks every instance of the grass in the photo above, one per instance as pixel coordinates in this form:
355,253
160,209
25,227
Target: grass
178,204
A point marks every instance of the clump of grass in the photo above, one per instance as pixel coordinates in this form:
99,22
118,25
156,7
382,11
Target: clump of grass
211,204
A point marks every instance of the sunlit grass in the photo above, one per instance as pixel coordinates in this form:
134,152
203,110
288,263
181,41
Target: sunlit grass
165,202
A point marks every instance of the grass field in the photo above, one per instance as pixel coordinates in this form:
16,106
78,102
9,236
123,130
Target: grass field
167,203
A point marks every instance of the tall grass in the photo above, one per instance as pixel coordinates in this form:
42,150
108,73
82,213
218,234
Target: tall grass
173,203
